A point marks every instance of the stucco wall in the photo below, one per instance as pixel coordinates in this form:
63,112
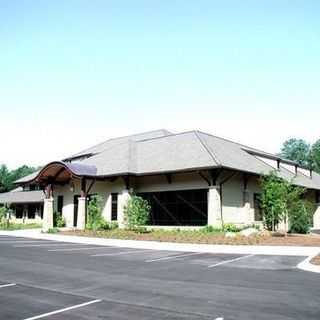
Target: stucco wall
233,199
103,188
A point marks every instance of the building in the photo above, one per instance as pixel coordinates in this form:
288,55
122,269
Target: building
26,205
190,179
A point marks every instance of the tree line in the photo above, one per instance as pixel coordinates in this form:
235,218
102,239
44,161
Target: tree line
306,154
8,177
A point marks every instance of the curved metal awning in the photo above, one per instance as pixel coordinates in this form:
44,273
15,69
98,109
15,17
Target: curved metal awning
60,172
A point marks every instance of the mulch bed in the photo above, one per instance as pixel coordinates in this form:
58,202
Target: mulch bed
202,237
316,260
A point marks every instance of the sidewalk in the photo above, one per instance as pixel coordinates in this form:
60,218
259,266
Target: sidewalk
169,246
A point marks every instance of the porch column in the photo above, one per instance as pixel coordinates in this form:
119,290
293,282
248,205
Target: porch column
81,221
82,206
246,207
123,198
47,222
47,214
214,206
316,216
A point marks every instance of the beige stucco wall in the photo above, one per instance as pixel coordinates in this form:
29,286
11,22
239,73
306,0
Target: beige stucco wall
234,201
234,209
103,188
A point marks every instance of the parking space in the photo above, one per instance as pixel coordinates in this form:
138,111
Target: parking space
25,302
58,280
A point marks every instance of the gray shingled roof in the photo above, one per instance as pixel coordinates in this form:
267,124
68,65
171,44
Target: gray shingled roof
21,197
161,151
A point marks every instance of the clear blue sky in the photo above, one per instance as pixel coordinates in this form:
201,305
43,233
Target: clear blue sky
73,73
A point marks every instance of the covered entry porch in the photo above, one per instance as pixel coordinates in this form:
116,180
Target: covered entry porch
57,174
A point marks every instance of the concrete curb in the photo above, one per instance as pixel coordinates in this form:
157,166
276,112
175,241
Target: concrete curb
305,265
169,246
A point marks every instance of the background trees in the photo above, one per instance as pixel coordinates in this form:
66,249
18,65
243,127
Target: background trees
302,152
8,177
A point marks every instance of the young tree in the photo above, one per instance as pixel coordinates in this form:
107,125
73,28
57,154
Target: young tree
137,212
273,200
282,201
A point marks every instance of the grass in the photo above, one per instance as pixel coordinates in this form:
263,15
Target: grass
202,236
19,226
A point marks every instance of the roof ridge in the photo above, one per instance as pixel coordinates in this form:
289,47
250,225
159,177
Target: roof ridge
204,144
169,135
121,137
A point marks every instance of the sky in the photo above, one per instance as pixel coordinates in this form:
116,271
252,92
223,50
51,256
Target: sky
75,73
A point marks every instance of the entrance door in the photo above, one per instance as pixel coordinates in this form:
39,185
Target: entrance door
75,209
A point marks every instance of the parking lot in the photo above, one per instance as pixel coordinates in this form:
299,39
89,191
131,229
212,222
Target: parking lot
42,279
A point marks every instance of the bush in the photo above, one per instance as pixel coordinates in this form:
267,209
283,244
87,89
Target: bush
95,219
300,217
211,229
3,212
137,212
58,220
53,230
229,227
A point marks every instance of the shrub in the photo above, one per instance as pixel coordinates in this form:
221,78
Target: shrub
210,229
95,219
53,230
58,220
3,212
137,211
300,218
229,227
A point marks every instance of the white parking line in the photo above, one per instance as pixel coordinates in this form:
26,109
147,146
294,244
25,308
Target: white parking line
119,253
22,241
175,257
229,261
7,285
78,249
63,310
45,245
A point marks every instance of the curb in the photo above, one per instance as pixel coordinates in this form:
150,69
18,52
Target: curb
171,246
305,265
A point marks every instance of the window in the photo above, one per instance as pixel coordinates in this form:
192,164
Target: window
178,208
114,206
60,204
31,211
19,212
258,214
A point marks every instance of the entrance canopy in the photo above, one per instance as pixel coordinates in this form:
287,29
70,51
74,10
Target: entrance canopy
62,172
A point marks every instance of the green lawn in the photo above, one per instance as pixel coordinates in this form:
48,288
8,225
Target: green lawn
19,226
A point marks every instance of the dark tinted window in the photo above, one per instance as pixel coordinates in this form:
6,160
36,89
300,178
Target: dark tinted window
60,204
184,208
114,206
258,215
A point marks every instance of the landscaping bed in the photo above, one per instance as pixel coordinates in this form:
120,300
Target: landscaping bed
316,260
200,236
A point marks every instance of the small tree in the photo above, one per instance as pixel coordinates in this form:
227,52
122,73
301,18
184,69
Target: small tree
273,200
282,201
300,217
3,212
137,212
95,219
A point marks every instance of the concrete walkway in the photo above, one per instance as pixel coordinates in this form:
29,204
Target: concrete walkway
169,246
